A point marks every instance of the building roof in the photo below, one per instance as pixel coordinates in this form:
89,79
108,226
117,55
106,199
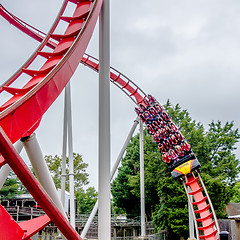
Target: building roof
233,210
24,196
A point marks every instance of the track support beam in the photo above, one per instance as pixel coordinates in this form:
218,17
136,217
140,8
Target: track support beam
40,167
5,170
104,212
142,188
114,169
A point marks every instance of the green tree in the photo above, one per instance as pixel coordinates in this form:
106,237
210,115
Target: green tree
236,193
165,198
12,187
125,188
86,200
80,174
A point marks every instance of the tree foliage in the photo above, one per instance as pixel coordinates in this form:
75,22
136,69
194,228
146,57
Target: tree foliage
12,187
166,201
236,193
86,200
80,174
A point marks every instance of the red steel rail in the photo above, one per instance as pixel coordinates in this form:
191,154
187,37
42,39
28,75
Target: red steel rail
120,80
21,114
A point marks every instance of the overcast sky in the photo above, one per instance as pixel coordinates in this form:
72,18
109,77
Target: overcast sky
185,51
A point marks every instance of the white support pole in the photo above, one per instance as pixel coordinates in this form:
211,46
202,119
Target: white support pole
70,156
142,190
191,221
41,169
104,212
89,221
64,151
114,169
192,210
5,170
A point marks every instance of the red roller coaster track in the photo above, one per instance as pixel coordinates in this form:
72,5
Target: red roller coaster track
21,114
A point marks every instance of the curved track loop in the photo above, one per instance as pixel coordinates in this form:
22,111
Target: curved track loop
120,80
205,223
21,114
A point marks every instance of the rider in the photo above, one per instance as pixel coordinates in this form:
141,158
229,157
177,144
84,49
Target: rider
166,157
173,155
179,151
173,139
151,99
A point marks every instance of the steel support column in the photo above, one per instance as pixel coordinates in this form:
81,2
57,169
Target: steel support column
67,138
40,167
64,151
104,212
114,169
191,217
142,189
70,155
5,170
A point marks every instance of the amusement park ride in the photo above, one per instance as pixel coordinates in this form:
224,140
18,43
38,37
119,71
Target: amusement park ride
21,115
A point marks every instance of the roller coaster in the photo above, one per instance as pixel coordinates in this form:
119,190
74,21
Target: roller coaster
21,114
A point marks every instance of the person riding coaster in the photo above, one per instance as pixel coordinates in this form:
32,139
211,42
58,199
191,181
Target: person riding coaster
173,139
185,146
150,129
168,130
156,138
148,116
153,111
158,108
142,106
166,157
161,147
172,126
179,151
179,135
161,133
160,121
173,155
146,102
165,116
155,125
138,111
166,144
151,99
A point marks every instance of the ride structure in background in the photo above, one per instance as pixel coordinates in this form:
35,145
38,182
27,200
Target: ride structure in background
21,114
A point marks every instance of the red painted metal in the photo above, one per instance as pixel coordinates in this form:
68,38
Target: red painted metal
207,224
2,161
9,229
22,113
34,225
35,188
120,80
